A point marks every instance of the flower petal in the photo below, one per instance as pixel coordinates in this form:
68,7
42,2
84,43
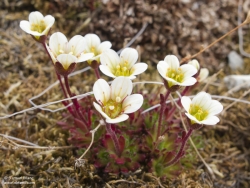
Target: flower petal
101,91
132,103
121,118
92,41
66,60
203,74
172,61
186,102
193,118
188,82
35,17
215,107
57,42
121,87
110,59
162,68
49,20
188,70
139,68
106,70
77,45
25,26
212,120
104,46
34,33
99,109
202,99
84,57
130,56
131,77
194,63
174,82
51,53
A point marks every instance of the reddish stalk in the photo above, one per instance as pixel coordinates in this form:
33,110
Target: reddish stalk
58,76
114,139
97,73
162,109
75,102
180,153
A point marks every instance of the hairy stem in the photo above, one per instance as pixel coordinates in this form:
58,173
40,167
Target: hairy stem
97,73
75,102
162,109
180,153
114,139
58,76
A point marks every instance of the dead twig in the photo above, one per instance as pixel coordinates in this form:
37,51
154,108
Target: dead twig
80,162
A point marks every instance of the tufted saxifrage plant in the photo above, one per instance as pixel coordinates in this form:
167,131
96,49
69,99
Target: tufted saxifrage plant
127,138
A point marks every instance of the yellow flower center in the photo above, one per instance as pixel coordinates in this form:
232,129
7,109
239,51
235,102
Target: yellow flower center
176,75
39,27
113,108
94,51
61,51
199,113
122,69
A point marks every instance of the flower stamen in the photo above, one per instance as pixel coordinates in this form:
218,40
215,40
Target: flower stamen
39,27
122,70
197,111
118,99
176,75
113,108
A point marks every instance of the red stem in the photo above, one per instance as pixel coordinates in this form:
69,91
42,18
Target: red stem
58,76
97,73
75,102
180,153
162,109
114,139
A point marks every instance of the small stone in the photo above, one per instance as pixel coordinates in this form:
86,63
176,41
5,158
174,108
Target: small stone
237,82
235,61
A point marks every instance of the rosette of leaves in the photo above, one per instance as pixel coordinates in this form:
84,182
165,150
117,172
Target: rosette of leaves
128,160
79,134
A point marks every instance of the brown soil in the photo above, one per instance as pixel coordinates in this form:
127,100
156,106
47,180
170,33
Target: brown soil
178,27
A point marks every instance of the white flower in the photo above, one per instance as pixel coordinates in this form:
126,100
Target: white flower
175,74
66,52
94,45
113,66
195,63
116,101
38,25
203,74
202,109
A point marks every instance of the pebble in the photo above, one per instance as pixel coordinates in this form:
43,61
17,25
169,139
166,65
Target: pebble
237,82
235,61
